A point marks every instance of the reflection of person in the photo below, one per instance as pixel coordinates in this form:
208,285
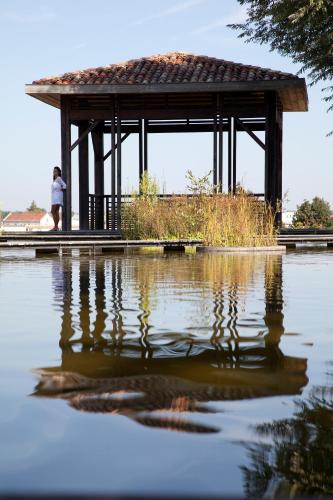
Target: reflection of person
58,186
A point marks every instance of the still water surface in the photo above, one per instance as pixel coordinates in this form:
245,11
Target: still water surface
174,374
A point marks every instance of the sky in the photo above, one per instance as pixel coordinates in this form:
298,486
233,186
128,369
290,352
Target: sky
45,38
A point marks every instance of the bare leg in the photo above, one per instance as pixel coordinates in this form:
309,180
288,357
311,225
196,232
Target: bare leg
55,215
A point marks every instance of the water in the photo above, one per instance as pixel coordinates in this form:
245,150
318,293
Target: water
174,374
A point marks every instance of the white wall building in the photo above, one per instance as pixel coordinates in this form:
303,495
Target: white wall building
287,217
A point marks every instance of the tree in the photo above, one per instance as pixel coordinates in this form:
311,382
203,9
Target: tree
301,29
313,214
34,207
298,460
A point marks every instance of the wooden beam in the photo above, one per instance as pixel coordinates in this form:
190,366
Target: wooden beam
66,164
85,133
83,179
124,137
164,113
251,134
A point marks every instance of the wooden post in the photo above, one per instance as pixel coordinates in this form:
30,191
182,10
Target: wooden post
118,170
140,149
113,168
229,154
220,176
234,157
273,152
83,149
66,163
98,143
215,149
145,146
279,193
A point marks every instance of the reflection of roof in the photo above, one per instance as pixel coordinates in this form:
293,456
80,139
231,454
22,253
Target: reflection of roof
174,67
24,217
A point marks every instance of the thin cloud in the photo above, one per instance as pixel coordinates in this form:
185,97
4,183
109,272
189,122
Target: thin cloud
239,16
19,17
168,12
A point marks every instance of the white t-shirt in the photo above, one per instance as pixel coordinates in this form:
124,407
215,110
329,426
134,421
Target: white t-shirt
57,195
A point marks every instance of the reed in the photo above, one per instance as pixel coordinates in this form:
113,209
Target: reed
216,218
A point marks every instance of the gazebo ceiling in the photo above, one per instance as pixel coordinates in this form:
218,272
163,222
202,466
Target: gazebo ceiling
173,72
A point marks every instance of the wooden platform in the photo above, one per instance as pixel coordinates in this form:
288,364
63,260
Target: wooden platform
53,242
99,240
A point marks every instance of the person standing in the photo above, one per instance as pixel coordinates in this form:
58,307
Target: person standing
57,197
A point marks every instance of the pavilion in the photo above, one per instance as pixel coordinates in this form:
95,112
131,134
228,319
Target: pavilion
175,92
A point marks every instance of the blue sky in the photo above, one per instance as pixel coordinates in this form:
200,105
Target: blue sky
43,38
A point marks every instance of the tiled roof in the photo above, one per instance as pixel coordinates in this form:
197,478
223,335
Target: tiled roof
24,217
175,67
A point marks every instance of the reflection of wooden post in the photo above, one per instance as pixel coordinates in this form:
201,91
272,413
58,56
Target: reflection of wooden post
67,330
100,321
84,283
274,300
117,292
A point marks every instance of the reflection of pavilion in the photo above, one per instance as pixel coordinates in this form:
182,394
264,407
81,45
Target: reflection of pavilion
108,369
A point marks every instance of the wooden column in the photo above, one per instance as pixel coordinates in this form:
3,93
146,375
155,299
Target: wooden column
279,193
140,149
220,155
145,146
84,178
273,152
118,170
229,154
113,167
215,149
234,156
98,143
66,163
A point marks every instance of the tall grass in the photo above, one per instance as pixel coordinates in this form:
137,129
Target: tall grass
216,218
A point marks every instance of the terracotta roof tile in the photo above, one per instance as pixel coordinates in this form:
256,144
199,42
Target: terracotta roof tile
24,217
175,67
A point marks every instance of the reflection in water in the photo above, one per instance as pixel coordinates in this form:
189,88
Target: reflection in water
121,365
300,460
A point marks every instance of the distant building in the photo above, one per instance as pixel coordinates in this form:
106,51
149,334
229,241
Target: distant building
32,221
27,221
287,217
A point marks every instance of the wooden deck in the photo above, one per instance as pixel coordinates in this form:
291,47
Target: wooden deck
49,242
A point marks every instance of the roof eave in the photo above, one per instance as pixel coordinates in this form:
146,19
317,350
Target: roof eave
50,94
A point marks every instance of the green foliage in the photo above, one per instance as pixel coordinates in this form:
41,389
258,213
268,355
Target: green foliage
34,207
149,187
199,185
313,214
301,29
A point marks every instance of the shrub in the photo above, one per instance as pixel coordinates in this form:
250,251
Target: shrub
313,214
216,218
